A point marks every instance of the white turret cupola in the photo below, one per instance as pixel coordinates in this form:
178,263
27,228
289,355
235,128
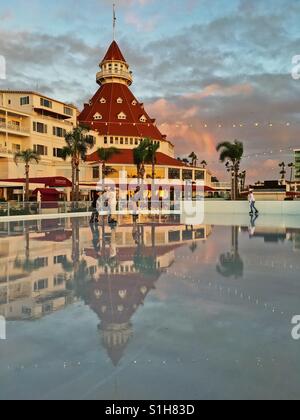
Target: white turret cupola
114,68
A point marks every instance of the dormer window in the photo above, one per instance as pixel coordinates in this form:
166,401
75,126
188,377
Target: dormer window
119,100
103,101
134,102
143,119
122,116
97,116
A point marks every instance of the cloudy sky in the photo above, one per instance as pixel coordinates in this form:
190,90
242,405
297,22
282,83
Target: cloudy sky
208,70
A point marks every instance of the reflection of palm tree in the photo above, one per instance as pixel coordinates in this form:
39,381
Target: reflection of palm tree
146,265
27,264
231,264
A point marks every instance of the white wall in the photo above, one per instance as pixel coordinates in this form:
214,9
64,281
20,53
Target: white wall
242,207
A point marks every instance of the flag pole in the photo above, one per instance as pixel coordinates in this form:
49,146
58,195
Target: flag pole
114,21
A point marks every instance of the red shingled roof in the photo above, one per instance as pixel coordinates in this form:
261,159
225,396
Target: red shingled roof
114,53
126,157
110,124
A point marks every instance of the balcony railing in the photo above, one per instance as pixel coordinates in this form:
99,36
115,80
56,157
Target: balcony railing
221,185
9,126
114,73
5,151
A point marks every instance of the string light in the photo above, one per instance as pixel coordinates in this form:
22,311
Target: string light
233,125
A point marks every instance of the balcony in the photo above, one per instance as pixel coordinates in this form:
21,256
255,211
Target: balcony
115,74
13,128
5,152
221,185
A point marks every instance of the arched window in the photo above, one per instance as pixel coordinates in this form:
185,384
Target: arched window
97,116
122,116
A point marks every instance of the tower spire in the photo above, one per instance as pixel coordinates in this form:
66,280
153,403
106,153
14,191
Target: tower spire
114,22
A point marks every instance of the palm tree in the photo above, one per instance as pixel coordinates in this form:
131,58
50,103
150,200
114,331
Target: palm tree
105,154
140,155
194,158
204,164
77,145
232,153
27,156
152,149
283,171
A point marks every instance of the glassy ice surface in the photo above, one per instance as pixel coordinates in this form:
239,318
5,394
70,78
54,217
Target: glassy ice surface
148,310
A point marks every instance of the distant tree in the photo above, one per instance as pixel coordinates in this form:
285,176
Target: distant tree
194,158
105,154
232,154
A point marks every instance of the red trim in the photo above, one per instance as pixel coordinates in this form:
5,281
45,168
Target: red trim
125,157
57,181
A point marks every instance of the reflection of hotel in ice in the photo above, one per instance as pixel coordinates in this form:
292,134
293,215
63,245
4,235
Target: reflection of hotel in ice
39,279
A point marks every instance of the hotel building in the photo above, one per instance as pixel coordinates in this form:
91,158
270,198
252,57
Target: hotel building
29,120
118,119
114,116
297,164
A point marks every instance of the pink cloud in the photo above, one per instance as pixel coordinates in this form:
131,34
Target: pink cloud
218,90
132,18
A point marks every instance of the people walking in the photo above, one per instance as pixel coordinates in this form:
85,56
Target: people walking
252,202
136,201
95,217
110,198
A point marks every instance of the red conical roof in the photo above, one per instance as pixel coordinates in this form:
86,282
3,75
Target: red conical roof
114,53
109,110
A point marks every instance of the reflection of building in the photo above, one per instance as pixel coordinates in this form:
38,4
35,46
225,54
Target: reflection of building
120,283
113,270
33,281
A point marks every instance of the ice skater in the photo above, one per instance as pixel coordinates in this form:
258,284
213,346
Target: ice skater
110,198
252,202
95,214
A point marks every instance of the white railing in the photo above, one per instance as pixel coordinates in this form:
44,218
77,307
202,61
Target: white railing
221,185
6,151
14,127
114,73
34,208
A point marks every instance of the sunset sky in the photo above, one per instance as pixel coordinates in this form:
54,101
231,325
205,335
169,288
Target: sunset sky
208,70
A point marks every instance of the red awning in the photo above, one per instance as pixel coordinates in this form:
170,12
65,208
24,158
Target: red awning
57,181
